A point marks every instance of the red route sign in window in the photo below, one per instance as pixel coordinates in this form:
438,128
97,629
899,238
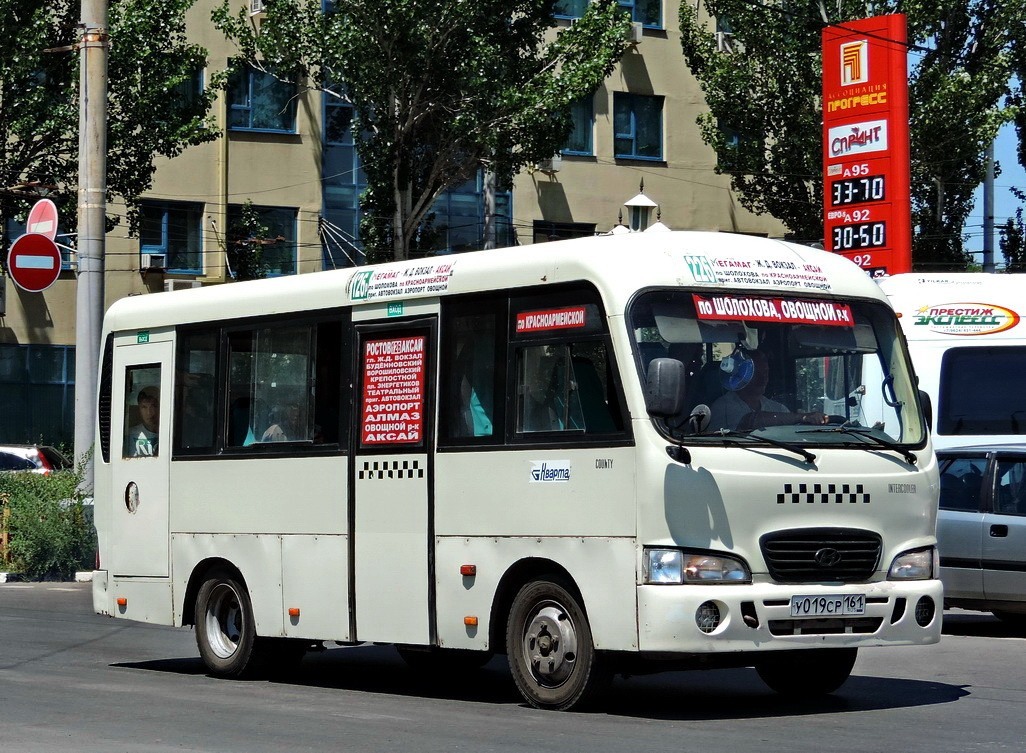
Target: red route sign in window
783,310
572,317
393,391
867,209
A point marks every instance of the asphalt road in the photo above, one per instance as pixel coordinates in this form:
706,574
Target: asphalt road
73,681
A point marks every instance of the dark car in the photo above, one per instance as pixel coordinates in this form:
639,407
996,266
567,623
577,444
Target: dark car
981,529
34,458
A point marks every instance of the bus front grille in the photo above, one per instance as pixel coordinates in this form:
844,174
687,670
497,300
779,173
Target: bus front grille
802,555
833,626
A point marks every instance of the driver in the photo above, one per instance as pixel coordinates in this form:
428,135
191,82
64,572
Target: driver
747,407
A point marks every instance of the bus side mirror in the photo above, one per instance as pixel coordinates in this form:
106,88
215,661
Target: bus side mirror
924,400
664,388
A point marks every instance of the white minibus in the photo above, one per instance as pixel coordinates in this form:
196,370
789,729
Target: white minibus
968,345
594,456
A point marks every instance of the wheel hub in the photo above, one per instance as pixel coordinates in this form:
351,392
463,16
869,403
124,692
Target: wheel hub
550,645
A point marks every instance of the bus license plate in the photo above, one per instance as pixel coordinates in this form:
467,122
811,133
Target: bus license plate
836,605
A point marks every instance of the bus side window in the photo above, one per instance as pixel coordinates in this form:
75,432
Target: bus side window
195,391
142,412
471,412
545,402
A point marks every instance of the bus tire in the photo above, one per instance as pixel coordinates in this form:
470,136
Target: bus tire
551,653
807,673
225,633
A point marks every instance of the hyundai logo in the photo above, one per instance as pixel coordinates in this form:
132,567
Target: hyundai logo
828,557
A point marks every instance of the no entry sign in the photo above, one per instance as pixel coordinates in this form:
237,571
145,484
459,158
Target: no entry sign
34,262
42,219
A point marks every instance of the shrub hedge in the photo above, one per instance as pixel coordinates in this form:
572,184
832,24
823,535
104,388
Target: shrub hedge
50,530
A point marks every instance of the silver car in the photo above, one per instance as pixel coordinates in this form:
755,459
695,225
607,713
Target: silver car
981,529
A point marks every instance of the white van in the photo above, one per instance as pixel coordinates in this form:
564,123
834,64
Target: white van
968,348
539,452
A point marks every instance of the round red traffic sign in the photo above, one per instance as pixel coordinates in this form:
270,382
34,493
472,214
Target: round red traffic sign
42,219
34,262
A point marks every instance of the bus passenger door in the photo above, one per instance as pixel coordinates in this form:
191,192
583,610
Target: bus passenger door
140,456
392,514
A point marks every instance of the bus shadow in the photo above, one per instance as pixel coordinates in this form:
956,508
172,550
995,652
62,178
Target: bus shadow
739,693
980,625
701,695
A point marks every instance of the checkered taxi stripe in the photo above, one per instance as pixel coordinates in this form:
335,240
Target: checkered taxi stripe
381,469
823,493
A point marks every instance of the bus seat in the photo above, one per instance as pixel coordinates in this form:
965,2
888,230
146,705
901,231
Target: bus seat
705,388
597,418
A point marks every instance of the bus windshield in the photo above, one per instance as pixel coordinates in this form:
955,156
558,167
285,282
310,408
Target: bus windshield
824,371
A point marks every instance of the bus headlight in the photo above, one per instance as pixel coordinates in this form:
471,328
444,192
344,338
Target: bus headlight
668,566
917,564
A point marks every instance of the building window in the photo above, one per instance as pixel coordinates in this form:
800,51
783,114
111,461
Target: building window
257,101
278,244
570,8
173,236
580,140
37,394
544,231
188,91
649,13
455,222
638,126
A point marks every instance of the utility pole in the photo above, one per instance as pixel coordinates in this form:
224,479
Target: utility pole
92,205
988,212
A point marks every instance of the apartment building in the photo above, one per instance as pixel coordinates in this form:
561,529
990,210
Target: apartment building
635,158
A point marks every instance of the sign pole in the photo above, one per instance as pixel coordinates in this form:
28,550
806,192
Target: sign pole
92,191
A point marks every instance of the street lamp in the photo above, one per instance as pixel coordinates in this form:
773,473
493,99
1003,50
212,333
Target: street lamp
640,207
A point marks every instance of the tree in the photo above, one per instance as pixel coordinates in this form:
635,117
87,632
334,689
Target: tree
152,110
1013,243
247,236
765,117
439,88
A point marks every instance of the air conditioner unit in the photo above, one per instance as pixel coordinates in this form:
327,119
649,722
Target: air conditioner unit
552,165
172,285
152,261
256,7
636,32
724,42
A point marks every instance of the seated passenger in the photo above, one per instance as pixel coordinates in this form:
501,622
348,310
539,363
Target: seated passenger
744,405
141,439
288,427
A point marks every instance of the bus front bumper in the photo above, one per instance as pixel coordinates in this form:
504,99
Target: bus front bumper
758,617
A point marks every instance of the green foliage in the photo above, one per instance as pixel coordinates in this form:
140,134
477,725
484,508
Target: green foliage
149,70
440,88
245,242
51,534
1013,243
961,90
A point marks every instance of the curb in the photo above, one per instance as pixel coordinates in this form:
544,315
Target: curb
83,576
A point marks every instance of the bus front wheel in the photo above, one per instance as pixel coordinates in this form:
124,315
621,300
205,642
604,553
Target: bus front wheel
225,632
551,653
809,672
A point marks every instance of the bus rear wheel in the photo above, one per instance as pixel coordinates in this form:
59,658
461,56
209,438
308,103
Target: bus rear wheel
551,653
225,633
807,673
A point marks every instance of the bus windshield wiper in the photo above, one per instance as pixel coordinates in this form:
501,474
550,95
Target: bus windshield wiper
867,434
731,436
